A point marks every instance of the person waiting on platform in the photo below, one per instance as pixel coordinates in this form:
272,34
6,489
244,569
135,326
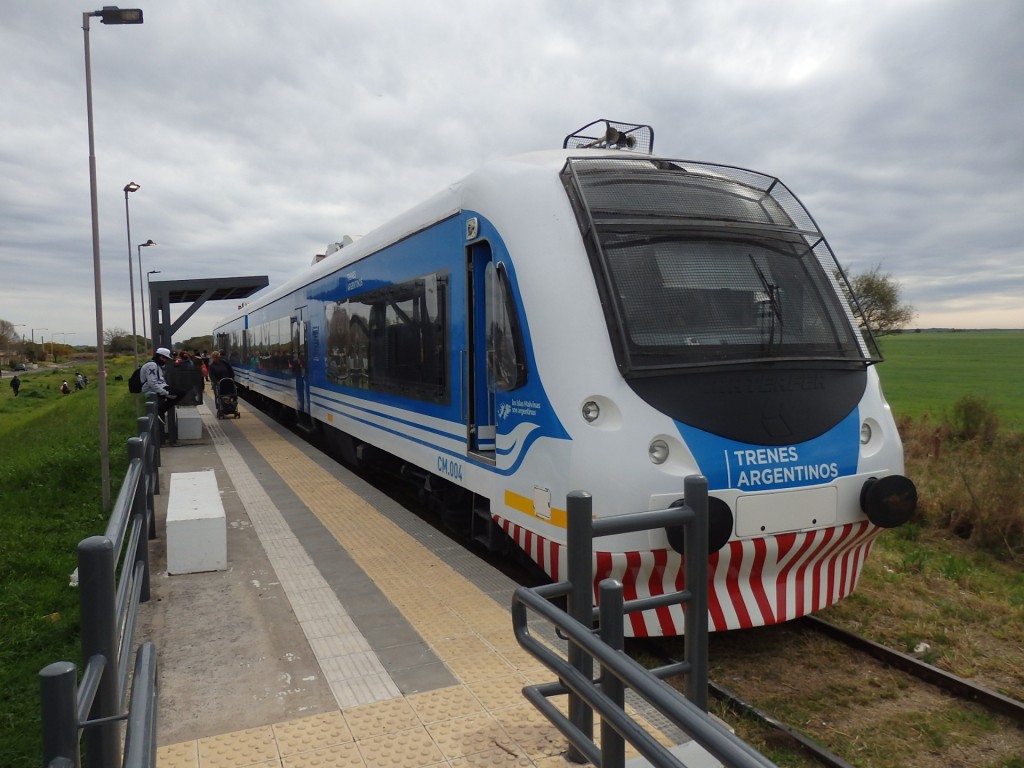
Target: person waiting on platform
153,382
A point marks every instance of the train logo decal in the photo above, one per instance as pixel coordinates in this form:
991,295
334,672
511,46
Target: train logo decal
732,464
352,282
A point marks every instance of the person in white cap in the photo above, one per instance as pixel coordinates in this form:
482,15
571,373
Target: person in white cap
153,382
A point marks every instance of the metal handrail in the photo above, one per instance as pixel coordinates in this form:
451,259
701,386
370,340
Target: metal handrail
606,695
109,608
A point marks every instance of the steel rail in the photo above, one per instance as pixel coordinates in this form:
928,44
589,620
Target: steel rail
805,743
927,673
940,678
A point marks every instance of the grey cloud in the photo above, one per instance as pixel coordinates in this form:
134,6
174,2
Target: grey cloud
259,135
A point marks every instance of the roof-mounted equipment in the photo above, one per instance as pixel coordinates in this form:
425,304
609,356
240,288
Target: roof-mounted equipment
611,134
334,248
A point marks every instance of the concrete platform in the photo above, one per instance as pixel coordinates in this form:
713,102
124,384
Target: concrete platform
345,631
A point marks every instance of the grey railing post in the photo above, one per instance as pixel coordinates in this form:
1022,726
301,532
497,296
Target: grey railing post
695,612
157,433
58,690
140,738
148,471
171,414
97,597
579,552
613,746
136,450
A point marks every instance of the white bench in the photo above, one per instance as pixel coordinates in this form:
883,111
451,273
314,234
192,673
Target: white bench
197,536
190,423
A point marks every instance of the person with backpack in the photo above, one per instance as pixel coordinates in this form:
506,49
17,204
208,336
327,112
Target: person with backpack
151,374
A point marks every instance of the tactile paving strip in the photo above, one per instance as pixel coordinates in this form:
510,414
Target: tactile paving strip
312,733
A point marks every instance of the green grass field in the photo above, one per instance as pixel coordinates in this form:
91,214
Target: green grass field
52,499
925,373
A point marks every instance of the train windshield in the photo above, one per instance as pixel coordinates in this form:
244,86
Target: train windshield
704,266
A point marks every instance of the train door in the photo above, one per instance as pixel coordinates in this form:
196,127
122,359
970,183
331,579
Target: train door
496,359
298,361
481,421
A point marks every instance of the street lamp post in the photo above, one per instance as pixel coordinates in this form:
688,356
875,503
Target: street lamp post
131,186
108,15
142,294
33,337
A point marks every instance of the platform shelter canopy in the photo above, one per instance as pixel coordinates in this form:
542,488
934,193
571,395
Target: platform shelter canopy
195,293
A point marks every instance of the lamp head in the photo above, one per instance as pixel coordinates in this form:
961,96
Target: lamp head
111,14
131,186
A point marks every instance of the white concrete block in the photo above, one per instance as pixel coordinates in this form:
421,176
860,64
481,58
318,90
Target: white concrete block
190,423
197,536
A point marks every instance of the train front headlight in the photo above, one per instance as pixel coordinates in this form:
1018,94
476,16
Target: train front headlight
658,451
872,438
600,412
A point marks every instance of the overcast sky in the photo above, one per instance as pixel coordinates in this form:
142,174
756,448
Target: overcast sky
260,132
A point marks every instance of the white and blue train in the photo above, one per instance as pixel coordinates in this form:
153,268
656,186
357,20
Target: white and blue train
599,319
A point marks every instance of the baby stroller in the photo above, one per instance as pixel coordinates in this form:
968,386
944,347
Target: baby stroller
226,395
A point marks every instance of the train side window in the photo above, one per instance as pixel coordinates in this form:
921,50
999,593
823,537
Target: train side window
392,339
506,363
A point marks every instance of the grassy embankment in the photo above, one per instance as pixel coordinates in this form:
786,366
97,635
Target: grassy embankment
959,399
924,374
956,568
50,479
947,587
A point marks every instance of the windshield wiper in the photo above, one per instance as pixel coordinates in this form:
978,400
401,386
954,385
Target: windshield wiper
772,292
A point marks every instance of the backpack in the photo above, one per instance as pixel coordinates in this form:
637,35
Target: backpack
135,381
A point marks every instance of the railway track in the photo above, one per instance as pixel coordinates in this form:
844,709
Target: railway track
1005,709
957,686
